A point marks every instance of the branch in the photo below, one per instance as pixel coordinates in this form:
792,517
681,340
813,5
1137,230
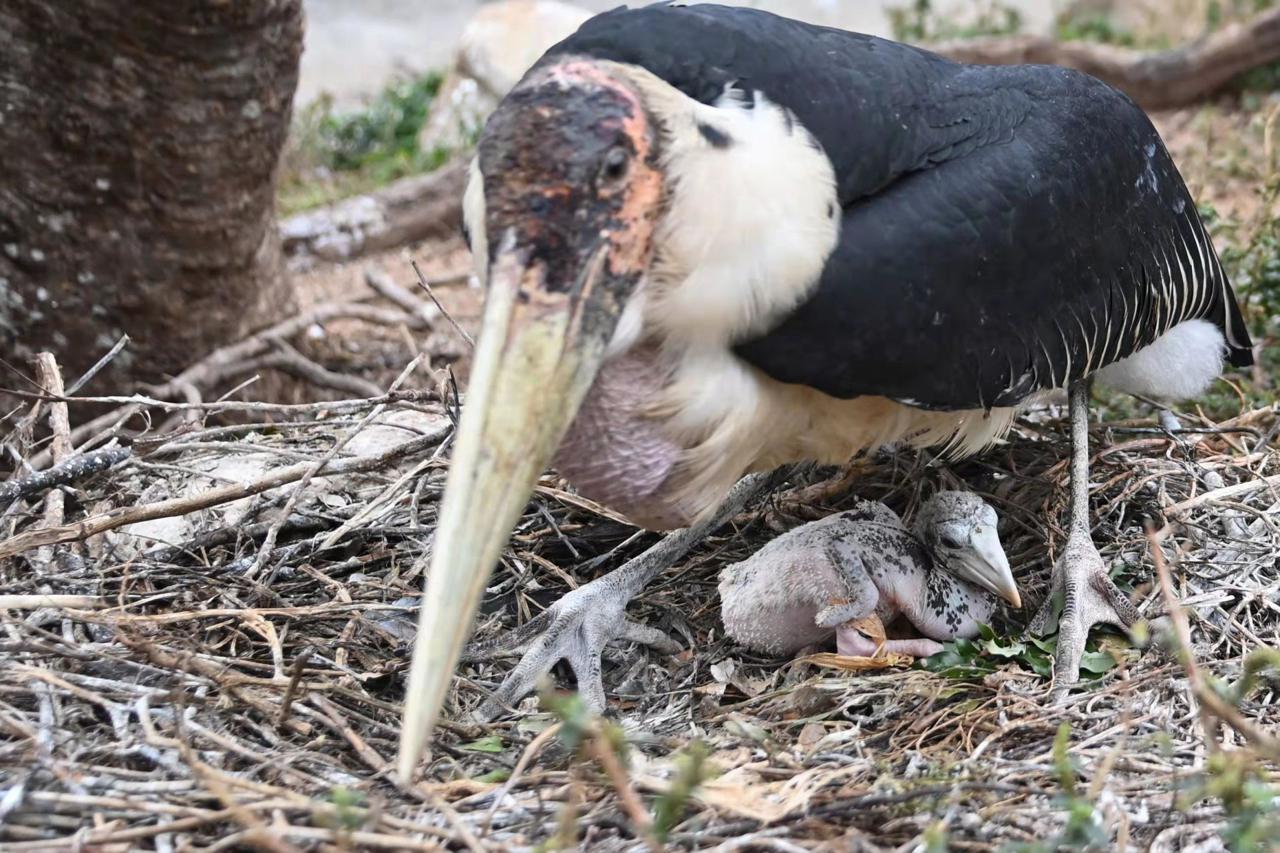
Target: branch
122,516
410,210
1156,80
69,471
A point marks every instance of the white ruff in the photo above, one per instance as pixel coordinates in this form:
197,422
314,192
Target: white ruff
747,231
1178,365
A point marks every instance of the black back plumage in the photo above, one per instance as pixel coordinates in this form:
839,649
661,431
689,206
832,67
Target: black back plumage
1005,229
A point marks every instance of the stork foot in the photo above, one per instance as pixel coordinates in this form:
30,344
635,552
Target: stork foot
575,629
1089,597
579,626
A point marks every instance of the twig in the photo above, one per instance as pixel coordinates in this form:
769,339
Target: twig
270,541
50,379
530,752
603,753
35,602
98,365
422,282
1244,488
386,287
295,676
103,522
1205,694
71,470
289,360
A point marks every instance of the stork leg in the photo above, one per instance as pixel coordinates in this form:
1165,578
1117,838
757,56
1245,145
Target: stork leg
579,626
1089,596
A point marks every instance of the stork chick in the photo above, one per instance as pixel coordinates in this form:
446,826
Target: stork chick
827,574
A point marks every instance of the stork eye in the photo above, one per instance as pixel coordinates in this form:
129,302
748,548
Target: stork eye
950,541
614,167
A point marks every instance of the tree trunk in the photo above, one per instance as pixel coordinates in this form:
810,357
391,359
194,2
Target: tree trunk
138,149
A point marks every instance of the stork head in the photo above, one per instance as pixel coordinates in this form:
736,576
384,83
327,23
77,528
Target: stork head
959,528
562,229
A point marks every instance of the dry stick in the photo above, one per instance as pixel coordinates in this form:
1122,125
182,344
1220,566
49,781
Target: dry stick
122,516
386,287
269,543
1156,80
286,703
422,282
289,360
1205,694
36,601
73,469
1245,488
260,343
631,804
98,365
50,379
212,368
530,752
84,379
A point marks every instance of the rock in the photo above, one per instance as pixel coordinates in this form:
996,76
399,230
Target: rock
497,47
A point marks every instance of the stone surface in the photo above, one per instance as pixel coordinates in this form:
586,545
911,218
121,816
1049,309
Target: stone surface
498,45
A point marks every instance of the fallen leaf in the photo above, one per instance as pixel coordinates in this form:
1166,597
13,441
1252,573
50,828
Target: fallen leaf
810,736
854,663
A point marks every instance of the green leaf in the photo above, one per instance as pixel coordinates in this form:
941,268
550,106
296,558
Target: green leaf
491,743
502,774
1097,662
1012,649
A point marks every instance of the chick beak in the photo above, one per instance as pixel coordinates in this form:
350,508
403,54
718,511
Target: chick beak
985,564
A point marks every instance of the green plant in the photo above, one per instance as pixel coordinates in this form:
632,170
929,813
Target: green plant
1083,829
692,770
1096,27
971,660
387,128
332,154
918,21
348,811
1252,806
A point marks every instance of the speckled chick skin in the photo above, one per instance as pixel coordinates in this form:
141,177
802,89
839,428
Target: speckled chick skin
809,583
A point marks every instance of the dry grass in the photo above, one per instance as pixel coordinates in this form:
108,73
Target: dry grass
200,704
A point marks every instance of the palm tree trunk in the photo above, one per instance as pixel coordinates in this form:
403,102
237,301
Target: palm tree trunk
138,150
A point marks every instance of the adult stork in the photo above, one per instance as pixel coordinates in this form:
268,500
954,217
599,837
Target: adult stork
716,241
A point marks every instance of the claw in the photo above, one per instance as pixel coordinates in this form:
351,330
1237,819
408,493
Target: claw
575,629
1090,598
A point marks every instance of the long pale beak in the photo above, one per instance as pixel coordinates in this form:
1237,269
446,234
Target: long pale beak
538,352
985,564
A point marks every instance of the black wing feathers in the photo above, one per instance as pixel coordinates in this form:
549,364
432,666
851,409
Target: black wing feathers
1005,229
868,101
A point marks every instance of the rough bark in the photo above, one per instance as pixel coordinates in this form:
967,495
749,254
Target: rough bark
1156,80
138,148
417,208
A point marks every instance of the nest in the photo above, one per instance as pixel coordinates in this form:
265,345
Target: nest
206,634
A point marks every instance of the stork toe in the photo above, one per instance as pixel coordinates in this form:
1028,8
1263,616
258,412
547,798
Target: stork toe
1089,598
575,629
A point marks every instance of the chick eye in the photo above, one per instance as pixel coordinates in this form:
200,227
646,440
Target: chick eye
614,166
949,541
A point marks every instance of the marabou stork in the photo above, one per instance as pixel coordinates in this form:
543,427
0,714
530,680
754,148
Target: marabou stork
716,241
831,575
